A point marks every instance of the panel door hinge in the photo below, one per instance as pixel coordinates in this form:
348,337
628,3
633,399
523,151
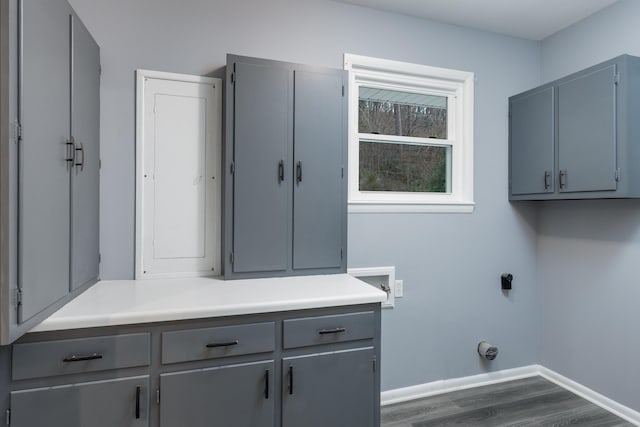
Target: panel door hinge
7,417
341,252
374,363
158,396
100,164
17,297
17,132
233,77
617,175
616,77
342,172
232,168
99,258
231,258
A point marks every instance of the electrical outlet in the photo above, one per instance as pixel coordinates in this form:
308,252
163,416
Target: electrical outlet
399,289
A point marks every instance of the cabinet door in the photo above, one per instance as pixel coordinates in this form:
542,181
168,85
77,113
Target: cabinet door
85,177
587,132
43,171
531,140
239,396
261,185
329,389
318,200
122,403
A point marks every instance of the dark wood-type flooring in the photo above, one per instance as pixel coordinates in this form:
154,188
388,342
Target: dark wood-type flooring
527,402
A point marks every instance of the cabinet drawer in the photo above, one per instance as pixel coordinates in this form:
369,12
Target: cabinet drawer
328,329
48,358
223,341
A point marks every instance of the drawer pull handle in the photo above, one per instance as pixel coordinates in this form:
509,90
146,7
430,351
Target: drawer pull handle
266,384
75,358
223,344
137,402
332,331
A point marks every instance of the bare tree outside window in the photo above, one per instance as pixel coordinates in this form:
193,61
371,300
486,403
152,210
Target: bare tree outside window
402,166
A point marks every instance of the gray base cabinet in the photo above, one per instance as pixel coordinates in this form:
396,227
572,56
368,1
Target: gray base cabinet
302,368
576,137
285,187
49,191
121,402
329,389
238,395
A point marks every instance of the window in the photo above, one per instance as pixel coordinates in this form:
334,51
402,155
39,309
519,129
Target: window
410,137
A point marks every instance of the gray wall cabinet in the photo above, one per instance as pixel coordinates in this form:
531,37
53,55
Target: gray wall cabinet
285,169
51,191
575,138
313,367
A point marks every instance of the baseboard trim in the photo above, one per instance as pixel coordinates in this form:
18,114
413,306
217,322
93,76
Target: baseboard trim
594,397
420,391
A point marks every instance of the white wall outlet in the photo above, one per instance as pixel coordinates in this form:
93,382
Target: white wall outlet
399,289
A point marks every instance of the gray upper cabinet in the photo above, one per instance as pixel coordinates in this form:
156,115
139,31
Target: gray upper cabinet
85,175
532,118
285,169
575,138
50,192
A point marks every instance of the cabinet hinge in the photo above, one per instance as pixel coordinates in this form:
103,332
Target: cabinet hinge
100,164
99,258
374,363
341,253
158,396
342,90
342,172
17,297
232,168
231,257
17,132
7,417
617,174
616,77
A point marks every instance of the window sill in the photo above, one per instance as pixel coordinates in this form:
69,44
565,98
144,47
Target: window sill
391,208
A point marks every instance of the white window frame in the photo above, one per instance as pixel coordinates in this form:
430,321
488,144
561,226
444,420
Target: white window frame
458,87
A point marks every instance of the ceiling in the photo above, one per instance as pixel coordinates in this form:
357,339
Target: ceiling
530,19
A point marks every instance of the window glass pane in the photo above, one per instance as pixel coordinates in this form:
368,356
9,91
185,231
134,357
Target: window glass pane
390,112
404,167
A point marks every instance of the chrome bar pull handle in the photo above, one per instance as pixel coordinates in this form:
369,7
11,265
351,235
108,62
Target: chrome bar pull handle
332,331
223,344
547,176
266,384
561,179
138,390
74,358
299,172
280,171
290,379
81,162
71,152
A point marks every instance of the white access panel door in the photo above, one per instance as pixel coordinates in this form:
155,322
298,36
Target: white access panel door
178,200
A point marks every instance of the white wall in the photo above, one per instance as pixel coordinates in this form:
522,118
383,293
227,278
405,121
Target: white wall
589,251
451,264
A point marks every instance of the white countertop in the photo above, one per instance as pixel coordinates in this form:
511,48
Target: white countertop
123,302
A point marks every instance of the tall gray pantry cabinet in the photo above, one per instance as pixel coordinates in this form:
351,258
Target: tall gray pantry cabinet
285,190
49,161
